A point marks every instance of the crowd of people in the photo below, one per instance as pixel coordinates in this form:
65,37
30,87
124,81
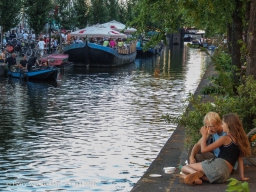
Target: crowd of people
219,151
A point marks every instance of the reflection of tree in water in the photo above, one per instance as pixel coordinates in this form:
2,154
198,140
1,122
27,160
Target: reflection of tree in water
38,96
170,60
146,64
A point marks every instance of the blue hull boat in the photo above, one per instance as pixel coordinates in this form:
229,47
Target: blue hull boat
50,73
95,55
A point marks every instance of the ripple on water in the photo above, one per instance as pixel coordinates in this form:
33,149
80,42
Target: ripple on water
101,130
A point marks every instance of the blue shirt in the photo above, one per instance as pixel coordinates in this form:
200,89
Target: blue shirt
216,136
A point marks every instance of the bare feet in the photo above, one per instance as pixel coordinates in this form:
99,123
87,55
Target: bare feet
191,178
182,177
198,182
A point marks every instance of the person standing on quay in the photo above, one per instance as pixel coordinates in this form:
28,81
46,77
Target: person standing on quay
41,46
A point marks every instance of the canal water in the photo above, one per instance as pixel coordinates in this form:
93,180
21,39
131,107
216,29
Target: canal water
93,129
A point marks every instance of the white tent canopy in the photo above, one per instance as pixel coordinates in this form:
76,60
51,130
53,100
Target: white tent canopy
98,31
115,25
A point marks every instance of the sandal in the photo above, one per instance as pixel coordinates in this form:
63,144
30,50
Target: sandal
191,178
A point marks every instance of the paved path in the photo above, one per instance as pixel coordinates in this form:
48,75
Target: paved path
174,154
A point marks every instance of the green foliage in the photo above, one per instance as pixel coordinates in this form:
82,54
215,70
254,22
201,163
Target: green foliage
37,12
113,10
98,12
210,15
193,46
9,13
67,16
159,18
221,83
81,9
237,186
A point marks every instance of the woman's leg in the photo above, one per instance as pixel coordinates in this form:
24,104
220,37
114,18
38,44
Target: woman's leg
191,168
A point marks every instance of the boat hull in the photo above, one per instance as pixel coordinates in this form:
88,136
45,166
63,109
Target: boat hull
41,74
97,55
100,56
77,53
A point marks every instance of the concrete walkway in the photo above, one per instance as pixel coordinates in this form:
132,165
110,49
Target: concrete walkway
173,154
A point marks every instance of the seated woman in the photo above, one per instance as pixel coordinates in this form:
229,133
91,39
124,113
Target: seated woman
233,147
120,43
112,43
106,43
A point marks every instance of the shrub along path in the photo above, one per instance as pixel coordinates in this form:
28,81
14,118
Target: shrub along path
173,154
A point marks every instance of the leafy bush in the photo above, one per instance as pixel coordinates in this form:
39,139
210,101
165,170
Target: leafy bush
223,82
237,186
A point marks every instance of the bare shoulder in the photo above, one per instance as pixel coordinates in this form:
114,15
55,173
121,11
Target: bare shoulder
225,139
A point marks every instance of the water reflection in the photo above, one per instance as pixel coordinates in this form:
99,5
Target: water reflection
96,129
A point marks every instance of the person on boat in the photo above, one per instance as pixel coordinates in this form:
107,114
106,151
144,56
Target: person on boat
68,38
92,40
120,43
233,147
23,65
3,56
11,61
106,43
112,43
138,43
32,61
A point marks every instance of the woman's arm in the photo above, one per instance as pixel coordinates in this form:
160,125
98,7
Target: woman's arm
241,169
221,141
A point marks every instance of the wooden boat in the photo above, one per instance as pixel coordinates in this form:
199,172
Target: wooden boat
57,60
49,73
94,55
2,70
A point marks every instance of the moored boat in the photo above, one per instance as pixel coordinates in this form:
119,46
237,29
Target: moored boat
57,60
91,54
49,73
95,55
150,51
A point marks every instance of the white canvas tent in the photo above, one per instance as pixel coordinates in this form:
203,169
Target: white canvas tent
115,25
98,31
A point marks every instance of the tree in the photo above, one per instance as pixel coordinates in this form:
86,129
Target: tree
164,16
130,13
66,15
81,9
113,10
98,12
9,14
37,12
251,41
